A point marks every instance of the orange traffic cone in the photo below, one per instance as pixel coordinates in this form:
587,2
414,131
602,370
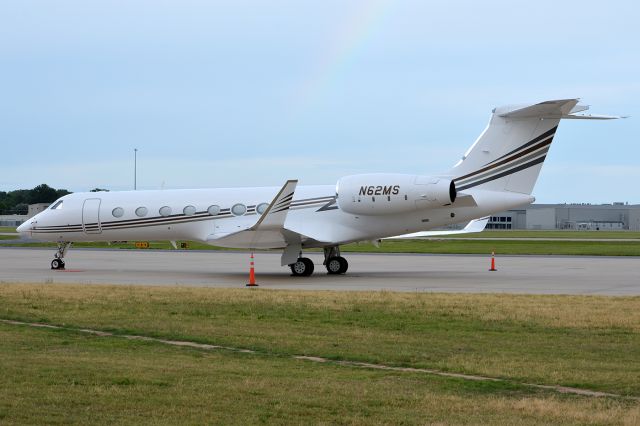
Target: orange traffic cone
493,261
252,274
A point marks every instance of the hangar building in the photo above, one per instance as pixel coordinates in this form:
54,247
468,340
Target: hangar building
616,216
18,219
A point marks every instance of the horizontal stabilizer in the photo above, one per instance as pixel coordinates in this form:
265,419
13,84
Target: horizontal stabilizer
555,109
563,108
476,225
573,114
591,117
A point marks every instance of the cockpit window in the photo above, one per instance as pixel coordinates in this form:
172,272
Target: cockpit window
57,205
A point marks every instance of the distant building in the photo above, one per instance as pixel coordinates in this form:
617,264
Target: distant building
12,219
19,219
616,216
34,209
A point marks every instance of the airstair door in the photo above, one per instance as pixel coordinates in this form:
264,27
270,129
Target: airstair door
91,216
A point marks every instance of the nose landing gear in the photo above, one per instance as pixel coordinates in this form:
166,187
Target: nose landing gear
58,257
57,264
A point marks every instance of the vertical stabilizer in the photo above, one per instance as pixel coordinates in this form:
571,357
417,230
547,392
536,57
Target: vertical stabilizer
509,154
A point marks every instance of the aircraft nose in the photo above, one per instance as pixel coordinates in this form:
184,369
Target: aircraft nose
25,227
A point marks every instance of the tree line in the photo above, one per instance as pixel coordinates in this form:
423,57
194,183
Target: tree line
17,202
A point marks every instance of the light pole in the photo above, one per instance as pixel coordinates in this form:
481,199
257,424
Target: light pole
135,168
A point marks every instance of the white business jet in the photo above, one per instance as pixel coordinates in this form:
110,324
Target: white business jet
497,173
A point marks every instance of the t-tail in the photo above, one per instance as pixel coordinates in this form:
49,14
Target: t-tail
510,152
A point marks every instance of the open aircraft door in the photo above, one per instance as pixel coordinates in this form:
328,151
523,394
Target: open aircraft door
91,216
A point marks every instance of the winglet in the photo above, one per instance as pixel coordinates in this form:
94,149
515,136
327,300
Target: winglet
275,215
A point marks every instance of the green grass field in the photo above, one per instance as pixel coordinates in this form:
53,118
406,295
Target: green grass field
623,235
7,229
500,246
58,376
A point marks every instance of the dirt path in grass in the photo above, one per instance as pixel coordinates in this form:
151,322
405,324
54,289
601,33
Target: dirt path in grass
358,364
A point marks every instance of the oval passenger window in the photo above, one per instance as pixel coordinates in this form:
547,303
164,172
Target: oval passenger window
238,209
262,207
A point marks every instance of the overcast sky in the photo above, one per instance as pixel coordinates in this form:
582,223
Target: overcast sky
251,93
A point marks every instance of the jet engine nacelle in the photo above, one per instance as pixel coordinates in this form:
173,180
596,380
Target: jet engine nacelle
380,194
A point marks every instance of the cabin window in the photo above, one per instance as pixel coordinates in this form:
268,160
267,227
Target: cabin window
165,211
117,212
238,209
57,205
141,211
262,207
213,210
189,210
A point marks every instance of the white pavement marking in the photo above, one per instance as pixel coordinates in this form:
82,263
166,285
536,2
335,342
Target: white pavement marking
367,272
344,363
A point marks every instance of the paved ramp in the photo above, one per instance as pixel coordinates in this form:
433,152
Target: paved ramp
395,272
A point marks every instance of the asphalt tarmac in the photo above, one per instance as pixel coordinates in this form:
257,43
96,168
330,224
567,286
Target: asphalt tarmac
392,272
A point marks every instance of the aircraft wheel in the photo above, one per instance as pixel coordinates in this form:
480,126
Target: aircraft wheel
337,265
57,264
302,268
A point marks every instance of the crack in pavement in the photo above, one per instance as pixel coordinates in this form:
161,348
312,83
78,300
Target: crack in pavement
317,359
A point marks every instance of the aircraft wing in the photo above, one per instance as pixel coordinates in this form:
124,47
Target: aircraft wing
268,230
476,225
275,215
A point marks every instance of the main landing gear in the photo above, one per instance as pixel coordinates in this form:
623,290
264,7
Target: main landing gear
335,264
303,267
58,257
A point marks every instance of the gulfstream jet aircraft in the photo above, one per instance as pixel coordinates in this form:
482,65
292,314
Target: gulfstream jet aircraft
497,173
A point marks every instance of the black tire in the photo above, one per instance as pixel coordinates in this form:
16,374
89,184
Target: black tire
337,265
334,265
57,264
310,266
303,267
345,265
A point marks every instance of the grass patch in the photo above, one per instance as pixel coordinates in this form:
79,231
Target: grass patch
582,341
449,246
60,377
502,246
9,237
7,229
621,235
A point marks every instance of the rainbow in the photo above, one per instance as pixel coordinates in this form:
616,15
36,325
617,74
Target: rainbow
352,34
